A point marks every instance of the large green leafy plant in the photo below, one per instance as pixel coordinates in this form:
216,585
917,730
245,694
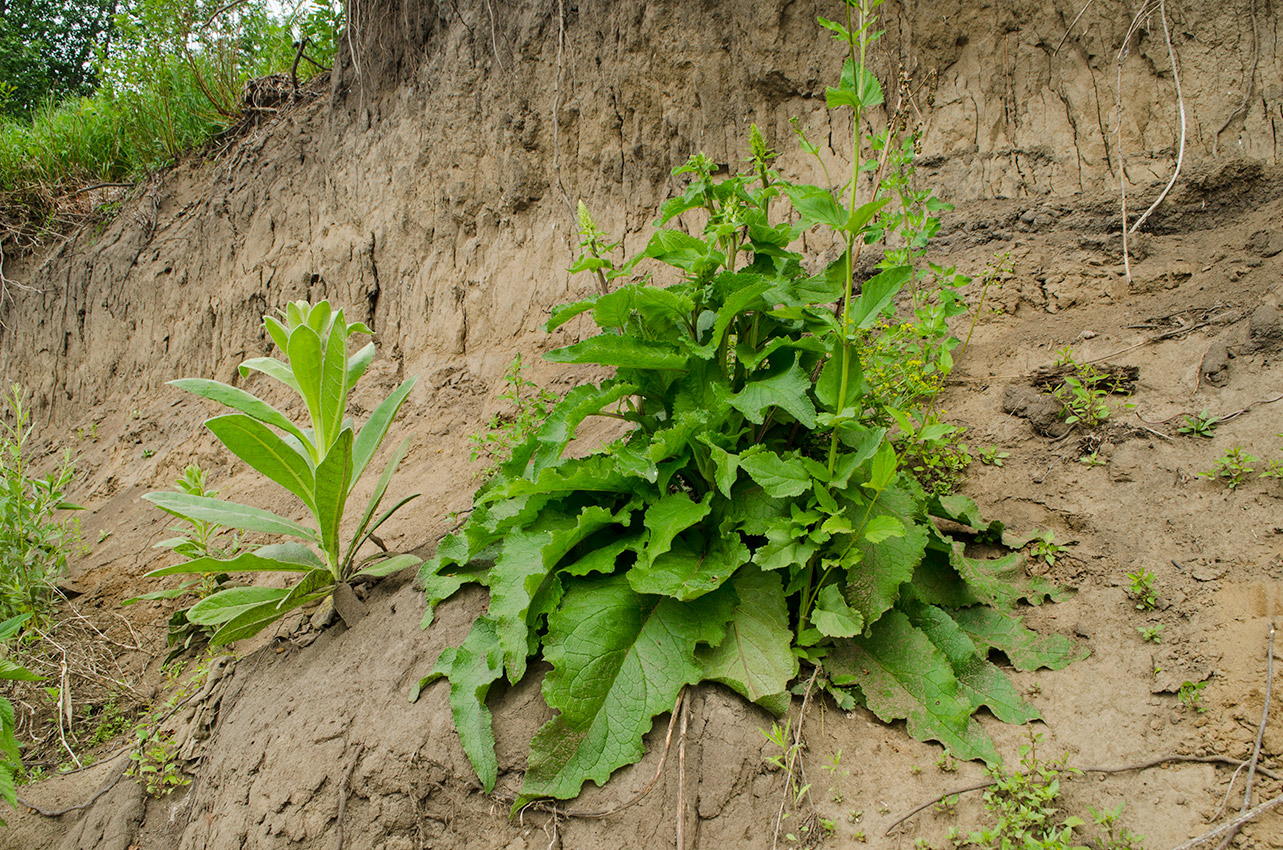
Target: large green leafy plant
10,754
754,517
320,465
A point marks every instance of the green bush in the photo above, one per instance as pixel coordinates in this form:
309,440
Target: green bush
319,465
10,755
36,537
757,515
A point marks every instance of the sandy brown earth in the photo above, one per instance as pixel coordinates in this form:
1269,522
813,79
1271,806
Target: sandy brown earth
427,190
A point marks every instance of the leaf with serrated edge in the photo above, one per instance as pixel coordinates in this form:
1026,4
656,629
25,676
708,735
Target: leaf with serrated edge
782,478
472,669
833,617
903,676
755,659
786,389
980,681
687,571
1025,649
618,659
616,350
666,519
1002,582
873,583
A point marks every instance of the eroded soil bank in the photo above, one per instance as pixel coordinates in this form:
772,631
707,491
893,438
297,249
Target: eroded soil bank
430,190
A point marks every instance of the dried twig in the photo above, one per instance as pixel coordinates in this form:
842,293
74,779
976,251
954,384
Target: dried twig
1237,823
57,813
681,780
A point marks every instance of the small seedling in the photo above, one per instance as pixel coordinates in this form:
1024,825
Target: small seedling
1202,425
992,457
103,534
148,453
947,763
1093,459
1191,695
1116,837
1273,469
915,770
1065,356
948,804
1151,634
1233,466
1142,590
1046,548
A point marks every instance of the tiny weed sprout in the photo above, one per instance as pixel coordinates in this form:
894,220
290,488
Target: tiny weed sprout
948,804
1065,356
1202,425
773,501
1233,467
531,405
947,763
1142,590
1045,548
320,465
1092,459
1115,837
155,763
1190,695
1151,634
1273,469
992,457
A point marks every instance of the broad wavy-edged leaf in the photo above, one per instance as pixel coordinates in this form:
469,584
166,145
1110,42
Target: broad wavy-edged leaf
472,668
260,447
610,349
742,299
938,583
580,403
1024,648
786,389
873,582
904,676
1002,582
333,480
515,577
782,478
618,660
817,205
595,473
230,514
667,518
442,577
222,606
833,617
980,681
690,569
273,368
238,399
784,547
372,433
655,305
564,313
16,672
876,294
676,249
306,364
277,558
756,658
726,466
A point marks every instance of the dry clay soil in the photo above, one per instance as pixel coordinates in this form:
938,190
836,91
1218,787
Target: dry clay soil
451,237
